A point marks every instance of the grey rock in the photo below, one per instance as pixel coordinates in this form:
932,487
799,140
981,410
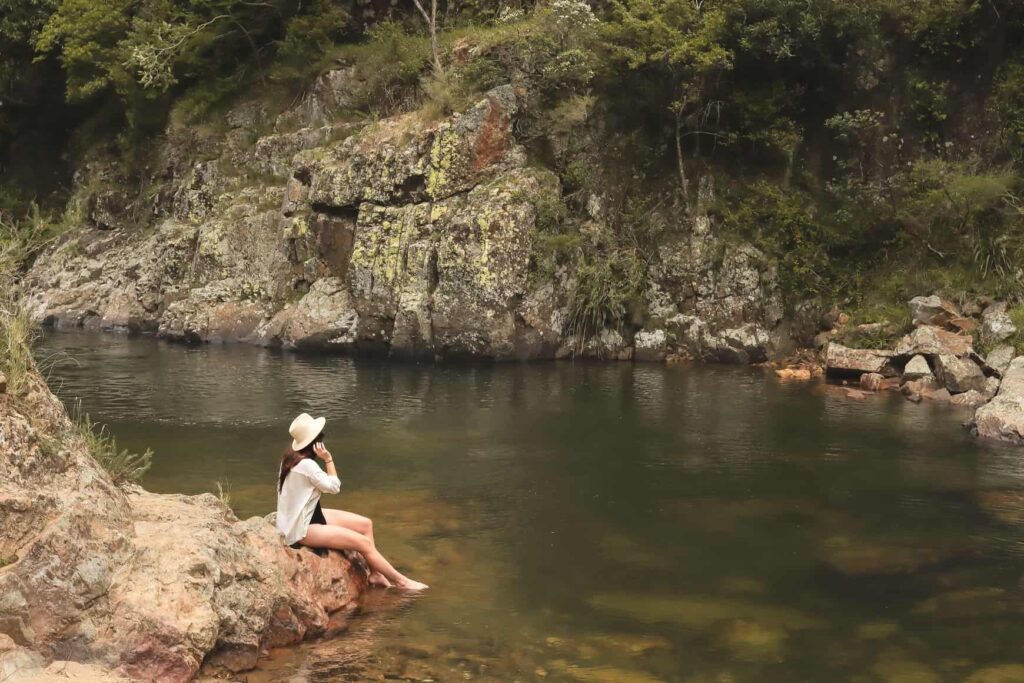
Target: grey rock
998,359
916,368
996,325
841,359
959,374
650,345
932,310
991,387
970,398
1003,417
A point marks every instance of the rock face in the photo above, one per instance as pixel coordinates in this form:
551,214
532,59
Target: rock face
404,236
840,359
135,584
1003,416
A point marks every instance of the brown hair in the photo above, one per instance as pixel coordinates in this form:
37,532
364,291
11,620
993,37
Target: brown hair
291,458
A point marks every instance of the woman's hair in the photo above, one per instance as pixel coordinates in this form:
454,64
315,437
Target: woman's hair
291,458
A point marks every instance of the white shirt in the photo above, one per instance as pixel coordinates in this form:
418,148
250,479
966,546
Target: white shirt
297,499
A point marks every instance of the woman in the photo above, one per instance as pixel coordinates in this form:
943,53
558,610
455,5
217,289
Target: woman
300,517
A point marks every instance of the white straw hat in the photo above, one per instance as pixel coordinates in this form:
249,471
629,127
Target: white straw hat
304,429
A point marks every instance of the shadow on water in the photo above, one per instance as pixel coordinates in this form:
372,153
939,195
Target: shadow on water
613,522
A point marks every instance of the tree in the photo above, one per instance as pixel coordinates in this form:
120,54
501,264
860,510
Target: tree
431,19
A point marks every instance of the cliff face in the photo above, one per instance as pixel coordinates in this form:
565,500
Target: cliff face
403,236
137,584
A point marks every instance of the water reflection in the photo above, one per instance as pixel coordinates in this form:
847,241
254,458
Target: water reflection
615,522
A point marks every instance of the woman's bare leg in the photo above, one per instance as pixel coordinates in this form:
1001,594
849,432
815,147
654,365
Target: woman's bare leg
361,525
339,538
350,520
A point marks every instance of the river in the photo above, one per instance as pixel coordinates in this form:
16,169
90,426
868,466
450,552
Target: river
603,522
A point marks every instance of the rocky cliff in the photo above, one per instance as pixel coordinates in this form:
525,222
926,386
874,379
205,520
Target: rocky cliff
101,584
403,236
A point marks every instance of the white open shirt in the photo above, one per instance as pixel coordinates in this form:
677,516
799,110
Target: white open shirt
297,499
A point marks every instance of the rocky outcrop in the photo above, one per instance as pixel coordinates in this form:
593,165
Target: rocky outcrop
404,236
136,584
1003,417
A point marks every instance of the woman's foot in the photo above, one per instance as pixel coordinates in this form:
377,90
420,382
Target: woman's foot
378,579
411,585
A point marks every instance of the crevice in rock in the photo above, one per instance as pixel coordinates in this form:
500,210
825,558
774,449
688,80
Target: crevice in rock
303,176
349,212
414,187
433,274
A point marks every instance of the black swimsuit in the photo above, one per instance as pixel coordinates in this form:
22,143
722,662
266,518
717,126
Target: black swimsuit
317,518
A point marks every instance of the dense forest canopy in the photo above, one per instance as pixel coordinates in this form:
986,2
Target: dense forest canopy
847,139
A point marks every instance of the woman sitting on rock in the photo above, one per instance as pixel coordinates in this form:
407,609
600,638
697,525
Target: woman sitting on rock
300,517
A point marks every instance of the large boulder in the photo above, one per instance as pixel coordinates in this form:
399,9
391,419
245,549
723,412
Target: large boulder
931,341
1003,416
932,310
996,325
959,374
840,359
998,359
143,585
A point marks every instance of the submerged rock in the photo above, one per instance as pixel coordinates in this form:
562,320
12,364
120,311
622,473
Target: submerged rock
1000,673
1003,417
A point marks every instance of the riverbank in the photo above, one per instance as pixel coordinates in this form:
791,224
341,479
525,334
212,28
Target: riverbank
940,359
107,582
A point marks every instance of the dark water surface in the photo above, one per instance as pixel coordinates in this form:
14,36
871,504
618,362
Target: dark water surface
598,523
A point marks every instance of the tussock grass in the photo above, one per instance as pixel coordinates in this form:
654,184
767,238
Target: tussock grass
224,492
123,466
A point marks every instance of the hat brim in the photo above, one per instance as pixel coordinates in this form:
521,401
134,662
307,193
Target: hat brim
299,445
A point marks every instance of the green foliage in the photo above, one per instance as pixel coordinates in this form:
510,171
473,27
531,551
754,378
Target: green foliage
388,65
781,222
123,466
609,290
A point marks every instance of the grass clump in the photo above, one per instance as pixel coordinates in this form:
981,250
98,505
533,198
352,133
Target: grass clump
123,466
224,492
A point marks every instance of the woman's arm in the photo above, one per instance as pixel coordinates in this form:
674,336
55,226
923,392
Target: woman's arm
326,482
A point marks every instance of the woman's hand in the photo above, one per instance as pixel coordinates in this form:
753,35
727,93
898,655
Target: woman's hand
321,452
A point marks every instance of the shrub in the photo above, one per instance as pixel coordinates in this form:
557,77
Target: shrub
609,287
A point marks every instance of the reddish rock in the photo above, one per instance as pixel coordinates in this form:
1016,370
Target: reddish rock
872,381
139,584
934,341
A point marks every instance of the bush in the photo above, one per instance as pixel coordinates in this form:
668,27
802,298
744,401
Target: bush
609,289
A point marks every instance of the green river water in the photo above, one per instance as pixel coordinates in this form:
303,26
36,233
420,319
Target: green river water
605,522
